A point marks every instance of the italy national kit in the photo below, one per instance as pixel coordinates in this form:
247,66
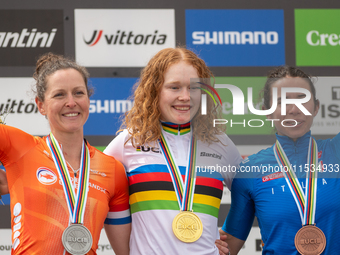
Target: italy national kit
38,206
267,196
153,200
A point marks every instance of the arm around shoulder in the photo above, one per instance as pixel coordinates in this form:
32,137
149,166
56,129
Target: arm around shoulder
119,237
116,146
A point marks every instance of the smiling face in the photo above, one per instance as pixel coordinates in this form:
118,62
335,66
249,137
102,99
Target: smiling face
178,100
66,103
304,122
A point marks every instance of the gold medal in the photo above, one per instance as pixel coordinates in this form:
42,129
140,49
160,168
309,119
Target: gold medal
310,240
187,227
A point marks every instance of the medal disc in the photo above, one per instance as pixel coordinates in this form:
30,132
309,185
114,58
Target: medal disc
77,239
187,227
310,240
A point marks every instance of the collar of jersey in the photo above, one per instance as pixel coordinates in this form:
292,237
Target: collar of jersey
47,149
176,129
288,143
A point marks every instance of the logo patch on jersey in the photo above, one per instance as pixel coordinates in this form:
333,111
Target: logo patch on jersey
245,160
271,177
147,148
319,154
213,155
46,176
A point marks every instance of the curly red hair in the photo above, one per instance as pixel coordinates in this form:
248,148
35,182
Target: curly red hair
143,120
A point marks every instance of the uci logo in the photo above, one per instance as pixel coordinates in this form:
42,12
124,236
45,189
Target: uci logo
147,149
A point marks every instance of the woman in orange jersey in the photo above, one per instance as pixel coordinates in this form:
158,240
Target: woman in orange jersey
166,148
59,202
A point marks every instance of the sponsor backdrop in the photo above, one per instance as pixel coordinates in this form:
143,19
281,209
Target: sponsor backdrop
240,41
29,33
237,37
122,38
108,105
317,37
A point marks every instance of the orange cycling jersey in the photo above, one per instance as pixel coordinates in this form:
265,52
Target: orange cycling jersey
39,212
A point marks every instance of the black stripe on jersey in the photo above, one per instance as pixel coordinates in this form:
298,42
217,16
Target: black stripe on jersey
147,186
207,190
163,185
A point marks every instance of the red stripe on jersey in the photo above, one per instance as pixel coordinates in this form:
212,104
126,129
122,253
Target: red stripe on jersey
118,208
149,177
211,182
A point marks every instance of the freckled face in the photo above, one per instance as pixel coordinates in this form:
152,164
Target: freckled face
178,100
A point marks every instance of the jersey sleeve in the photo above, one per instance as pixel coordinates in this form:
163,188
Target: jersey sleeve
233,159
14,143
116,147
242,210
119,208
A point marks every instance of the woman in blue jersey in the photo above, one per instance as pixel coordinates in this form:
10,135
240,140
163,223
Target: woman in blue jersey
293,187
164,137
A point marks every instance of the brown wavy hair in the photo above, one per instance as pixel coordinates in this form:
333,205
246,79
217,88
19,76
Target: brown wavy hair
143,120
282,72
47,65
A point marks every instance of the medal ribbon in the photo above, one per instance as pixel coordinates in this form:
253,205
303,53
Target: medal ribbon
75,202
305,201
184,191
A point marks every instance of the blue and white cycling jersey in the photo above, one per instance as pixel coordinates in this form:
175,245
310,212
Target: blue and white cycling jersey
258,189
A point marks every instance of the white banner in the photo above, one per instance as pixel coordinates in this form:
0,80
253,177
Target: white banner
122,37
327,121
16,95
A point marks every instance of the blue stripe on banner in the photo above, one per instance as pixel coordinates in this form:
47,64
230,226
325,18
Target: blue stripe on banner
120,221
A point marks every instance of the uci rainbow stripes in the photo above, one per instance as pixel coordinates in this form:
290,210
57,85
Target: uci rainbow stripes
184,191
305,200
76,202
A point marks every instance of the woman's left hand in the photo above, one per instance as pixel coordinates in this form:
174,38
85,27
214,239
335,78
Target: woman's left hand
222,245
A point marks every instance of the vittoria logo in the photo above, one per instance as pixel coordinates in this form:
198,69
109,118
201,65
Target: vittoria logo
46,176
95,38
121,37
20,106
